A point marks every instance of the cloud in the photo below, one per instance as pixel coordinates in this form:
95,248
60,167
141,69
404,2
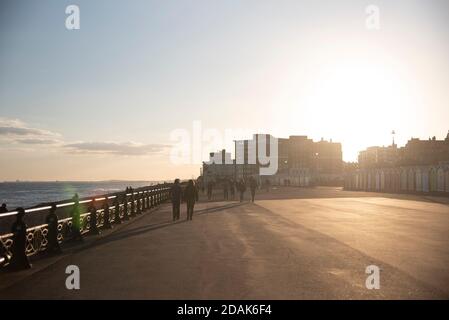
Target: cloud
37,141
21,131
11,122
115,148
16,132
11,128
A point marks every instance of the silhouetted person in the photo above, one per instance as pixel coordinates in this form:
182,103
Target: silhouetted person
176,196
190,196
52,236
106,214
76,219
226,189
3,208
253,187
232,188
19,260
242,188
93,223
210,187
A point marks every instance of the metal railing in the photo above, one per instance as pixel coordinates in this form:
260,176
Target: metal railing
106,211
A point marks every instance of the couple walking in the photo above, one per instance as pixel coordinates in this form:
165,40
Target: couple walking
190,195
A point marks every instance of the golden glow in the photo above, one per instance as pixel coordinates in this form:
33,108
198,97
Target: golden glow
354,102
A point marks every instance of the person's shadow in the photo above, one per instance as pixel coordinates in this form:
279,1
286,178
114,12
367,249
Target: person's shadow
120,235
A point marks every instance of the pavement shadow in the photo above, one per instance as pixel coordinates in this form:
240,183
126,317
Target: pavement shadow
327,192
120,235
218,208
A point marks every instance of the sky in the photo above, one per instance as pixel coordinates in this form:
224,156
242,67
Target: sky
110,100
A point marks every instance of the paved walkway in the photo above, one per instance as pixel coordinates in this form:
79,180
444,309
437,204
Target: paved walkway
295,244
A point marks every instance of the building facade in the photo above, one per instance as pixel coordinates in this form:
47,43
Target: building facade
300,161
421,166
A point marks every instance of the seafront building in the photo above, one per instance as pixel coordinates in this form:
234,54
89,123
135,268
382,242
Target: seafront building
421,166
300,161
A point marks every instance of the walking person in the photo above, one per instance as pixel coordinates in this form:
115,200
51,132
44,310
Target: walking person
19,259
225,189
232,188
176,196
52,235
190,196
253,187
210,186
242,188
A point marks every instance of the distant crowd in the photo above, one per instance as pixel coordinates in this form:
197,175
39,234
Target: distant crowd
229,187
232,187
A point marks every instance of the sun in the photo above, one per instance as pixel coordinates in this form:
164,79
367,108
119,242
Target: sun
356,103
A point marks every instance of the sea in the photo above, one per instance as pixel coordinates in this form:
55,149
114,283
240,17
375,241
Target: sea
30,194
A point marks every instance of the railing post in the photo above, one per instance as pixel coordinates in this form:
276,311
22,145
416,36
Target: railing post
76,219
93,219
117,218
152,198
19,259
125,207
145,200
52,234
139,203
106,215
133,204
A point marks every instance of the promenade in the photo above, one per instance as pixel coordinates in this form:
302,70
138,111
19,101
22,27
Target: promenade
293,243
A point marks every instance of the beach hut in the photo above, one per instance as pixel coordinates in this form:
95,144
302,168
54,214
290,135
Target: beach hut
403,179
411,179
369,183
395,180
433,183
307,180
446,180
425,179
373,180
357,180
388,180
377,182
440,179
418,179
365,181
382,179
